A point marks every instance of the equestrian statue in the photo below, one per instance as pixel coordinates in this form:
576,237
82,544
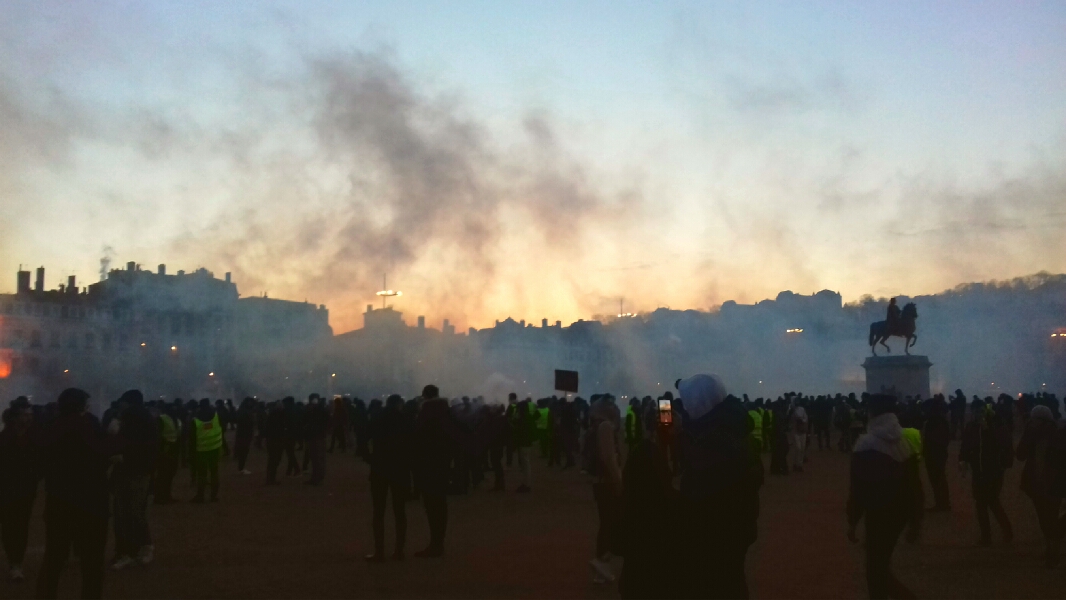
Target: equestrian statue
898,323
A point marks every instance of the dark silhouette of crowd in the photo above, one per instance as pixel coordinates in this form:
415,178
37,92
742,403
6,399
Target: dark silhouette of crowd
675,480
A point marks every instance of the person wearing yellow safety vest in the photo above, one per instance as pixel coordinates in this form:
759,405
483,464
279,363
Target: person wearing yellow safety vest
169,453
206,445
913,437
755,414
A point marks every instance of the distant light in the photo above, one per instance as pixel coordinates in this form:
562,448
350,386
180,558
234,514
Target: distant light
625,315
760,382
143,344
211,374
794,331
66,370
333,375
174,348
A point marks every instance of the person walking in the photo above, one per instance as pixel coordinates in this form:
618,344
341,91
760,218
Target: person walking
390,436
1038,476
207,447
882,492
75,457
19,474
986,449
435,442
139,438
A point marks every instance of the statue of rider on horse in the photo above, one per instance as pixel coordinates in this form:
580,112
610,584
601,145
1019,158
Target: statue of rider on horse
896,323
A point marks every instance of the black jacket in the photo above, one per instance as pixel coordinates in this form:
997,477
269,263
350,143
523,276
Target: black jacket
436,441
74,460
390,434
885,487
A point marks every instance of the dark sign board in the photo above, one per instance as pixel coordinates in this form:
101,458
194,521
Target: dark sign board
566,381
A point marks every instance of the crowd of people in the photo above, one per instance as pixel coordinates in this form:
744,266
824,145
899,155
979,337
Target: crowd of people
694,461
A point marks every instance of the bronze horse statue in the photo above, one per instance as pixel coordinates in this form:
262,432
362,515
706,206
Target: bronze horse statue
904,328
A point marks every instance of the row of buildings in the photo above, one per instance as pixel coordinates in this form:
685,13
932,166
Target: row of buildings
193,335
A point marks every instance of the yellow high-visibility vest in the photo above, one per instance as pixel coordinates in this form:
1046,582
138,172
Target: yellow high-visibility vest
913,438
208,435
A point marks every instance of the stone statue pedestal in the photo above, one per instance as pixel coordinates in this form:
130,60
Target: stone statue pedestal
901,376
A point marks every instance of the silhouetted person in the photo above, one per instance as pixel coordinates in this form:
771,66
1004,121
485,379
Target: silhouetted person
1038,477
603,460
435,445
390,438
19,474
74,461
245,421
339,425
131,478
719,496
649,523
936,437
316,427
169,455
986,448
496,433
883,493
892,316
291,435
274,425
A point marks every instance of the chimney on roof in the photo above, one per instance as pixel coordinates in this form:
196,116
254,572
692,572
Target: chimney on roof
180,272
522,322
421,322
544,322
39,285
228,278
162,270
369,308
71,288
130,266
558,323
23,282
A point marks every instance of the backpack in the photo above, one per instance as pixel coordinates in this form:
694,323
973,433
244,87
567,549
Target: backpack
590,461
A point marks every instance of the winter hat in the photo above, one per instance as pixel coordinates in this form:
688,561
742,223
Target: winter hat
701,393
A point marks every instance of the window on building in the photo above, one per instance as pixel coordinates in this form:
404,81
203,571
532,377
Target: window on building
106,341
55,340
90,341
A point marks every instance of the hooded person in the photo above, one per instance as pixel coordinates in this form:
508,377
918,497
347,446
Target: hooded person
883,491
719,496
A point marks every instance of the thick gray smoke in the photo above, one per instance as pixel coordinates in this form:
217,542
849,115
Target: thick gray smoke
410,185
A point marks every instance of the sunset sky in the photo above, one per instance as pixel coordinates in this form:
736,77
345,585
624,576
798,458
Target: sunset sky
539,159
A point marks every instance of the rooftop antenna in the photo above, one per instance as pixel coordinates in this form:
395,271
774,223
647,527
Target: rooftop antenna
385,292
621,309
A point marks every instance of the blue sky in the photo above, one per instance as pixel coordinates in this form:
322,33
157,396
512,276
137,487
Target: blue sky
677,154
